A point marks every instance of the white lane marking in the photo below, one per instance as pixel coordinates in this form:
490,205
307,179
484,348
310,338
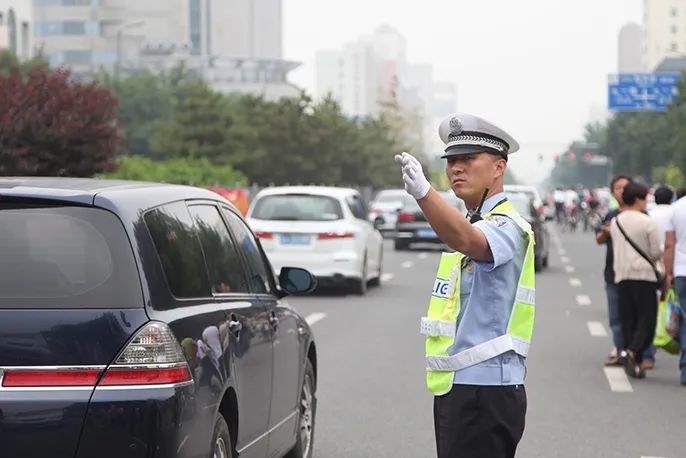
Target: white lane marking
619,383
422,256
564,259
569,269
314,317
583,299
387,277
596,329
562,252
575,282
652,457
407,264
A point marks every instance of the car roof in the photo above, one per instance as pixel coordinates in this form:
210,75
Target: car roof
330,191
137,195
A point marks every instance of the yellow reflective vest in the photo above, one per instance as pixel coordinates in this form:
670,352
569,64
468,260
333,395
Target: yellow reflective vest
440,324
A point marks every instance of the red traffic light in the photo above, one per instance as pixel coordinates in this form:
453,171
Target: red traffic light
587,156
571,155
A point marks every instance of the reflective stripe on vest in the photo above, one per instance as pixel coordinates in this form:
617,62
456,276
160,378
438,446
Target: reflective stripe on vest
440,325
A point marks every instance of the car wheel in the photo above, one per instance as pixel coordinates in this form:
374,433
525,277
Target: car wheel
377,280
359,286
221,439
538,264
306,415
545,261
400,245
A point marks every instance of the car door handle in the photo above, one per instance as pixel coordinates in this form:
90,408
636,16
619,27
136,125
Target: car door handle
273,320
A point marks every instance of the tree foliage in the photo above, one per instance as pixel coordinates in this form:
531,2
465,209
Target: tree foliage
197,172
649,145
52,125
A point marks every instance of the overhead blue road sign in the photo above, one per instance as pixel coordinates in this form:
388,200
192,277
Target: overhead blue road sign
642,91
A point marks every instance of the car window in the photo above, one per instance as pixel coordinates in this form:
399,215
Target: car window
356,206
224,264
522,203
54,256
297,207
176,242
246,243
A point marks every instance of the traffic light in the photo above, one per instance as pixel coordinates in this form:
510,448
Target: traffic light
587,156
557,158
571,155
540,159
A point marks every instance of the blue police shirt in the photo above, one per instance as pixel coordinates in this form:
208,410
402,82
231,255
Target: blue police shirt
487,292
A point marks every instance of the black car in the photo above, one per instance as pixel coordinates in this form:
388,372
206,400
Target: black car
412,226
526,207
141,320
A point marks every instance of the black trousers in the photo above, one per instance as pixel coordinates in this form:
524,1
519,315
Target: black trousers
638,314
479,421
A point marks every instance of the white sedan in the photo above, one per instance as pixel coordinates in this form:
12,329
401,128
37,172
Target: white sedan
322,229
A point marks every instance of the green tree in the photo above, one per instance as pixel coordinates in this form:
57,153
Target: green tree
10,64
196,172
198,128
145,99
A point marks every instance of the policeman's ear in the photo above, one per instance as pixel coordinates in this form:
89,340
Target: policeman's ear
500,165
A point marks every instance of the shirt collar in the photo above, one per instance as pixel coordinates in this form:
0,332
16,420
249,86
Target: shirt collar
491,202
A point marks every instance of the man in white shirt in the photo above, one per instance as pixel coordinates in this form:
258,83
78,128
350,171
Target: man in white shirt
661,214
663,211
675,263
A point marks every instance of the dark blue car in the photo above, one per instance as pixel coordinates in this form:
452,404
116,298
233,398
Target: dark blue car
144,320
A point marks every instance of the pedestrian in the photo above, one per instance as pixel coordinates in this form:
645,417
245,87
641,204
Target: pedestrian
661,214
603,237
481,312
675,264
636,248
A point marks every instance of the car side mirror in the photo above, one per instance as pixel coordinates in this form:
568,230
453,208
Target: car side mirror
294,280
378,222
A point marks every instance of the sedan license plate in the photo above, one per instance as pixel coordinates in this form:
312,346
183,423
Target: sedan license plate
295,239
426,234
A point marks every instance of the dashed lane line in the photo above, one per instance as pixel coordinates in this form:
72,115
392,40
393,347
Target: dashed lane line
387,277
569,269
564,259
314,317
619,382
583,300
574,282
562,252
596,329
422,255
407,264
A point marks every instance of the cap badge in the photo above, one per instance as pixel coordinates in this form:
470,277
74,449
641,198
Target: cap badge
455,126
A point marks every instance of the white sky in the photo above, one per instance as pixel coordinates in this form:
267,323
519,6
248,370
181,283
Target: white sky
536,68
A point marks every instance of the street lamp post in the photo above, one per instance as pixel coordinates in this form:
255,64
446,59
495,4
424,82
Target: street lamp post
120,31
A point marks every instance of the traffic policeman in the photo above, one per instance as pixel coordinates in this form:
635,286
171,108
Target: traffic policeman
481,312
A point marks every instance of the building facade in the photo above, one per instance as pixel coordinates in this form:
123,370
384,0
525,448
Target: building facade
631,49
16,27
665,30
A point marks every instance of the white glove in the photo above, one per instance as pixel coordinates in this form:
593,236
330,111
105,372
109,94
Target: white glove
416,183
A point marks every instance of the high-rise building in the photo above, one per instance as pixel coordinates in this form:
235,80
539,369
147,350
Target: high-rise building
665,30
630,49
373,69
16,27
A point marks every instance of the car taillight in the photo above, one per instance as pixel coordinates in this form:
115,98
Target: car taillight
539,210
335,235
153,357
404,217
50,378
264,235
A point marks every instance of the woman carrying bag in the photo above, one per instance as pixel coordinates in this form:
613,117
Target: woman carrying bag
637,254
